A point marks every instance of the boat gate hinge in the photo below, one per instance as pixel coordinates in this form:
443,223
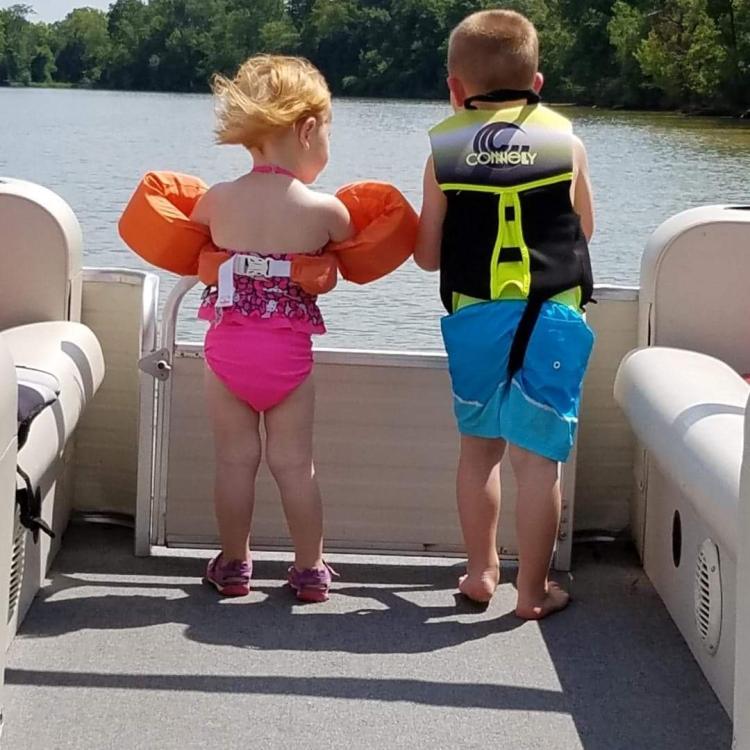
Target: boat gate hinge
156,364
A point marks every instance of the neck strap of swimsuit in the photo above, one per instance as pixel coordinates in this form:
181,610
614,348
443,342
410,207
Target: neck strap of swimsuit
273,169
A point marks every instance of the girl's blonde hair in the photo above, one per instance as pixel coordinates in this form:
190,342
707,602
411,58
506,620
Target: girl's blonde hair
268,93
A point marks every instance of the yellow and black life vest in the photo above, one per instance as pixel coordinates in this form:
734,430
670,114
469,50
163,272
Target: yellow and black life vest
510,229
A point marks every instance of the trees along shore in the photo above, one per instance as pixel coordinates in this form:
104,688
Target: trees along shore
692,55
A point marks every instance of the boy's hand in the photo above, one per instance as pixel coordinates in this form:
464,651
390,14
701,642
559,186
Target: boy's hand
430,235
581,193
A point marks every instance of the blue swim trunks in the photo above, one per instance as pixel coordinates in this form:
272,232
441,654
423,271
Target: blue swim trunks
537,409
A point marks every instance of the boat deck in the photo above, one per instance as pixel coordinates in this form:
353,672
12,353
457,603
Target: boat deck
127,653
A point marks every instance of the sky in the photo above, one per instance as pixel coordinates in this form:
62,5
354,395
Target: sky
54,10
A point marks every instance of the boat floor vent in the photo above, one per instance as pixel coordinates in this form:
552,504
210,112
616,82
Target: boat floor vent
17,564
708,596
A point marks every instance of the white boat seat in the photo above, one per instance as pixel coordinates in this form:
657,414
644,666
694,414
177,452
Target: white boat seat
71,355
40,256
674,285
36,391
7,486
688,410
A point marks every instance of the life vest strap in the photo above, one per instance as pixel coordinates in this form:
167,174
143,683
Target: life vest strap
254,266
503,95
523,334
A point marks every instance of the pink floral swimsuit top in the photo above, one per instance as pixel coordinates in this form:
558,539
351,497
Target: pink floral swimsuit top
274,298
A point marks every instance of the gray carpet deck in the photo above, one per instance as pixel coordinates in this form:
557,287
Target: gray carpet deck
119,652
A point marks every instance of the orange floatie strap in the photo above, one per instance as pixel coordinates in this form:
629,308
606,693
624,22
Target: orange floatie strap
157,227
316,274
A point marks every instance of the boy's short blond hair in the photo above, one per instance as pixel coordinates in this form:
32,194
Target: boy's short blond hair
494,49
268,93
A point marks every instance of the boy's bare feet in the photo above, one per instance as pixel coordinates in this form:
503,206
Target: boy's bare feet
554,600
481,586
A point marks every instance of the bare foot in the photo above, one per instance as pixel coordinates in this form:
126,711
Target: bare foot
554,600
480,587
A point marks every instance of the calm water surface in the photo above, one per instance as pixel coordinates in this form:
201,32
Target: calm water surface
92,147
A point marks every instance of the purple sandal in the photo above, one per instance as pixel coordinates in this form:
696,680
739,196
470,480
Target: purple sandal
231,578
311,584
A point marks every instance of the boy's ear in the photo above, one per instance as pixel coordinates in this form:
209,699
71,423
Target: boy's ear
306,129
538,82
458,92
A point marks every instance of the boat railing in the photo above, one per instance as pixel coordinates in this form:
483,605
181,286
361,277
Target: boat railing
386,450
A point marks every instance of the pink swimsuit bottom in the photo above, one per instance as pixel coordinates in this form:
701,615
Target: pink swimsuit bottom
261,347
259,361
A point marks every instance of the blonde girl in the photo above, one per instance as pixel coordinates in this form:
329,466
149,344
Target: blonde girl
258,346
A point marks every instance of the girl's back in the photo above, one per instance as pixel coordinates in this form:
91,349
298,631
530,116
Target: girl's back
266,213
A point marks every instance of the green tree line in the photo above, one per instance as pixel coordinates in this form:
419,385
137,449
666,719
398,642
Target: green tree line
690,54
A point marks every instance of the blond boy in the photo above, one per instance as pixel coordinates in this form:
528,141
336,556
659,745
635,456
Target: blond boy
506,218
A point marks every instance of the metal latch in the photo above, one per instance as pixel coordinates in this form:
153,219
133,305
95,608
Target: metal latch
157,364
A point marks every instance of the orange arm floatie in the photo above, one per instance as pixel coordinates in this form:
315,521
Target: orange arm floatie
386,231
156,222
156,225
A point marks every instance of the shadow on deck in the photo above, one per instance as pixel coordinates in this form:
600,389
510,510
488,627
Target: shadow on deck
129,653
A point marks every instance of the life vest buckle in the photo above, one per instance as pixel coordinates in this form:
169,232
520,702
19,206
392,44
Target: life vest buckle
251,265
259,267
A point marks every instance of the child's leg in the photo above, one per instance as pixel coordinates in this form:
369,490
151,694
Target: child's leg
238,453
289,453
478,490
537,522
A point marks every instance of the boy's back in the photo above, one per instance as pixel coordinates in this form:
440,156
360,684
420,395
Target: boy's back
506,217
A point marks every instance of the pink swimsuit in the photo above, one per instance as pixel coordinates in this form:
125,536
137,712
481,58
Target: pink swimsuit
261,346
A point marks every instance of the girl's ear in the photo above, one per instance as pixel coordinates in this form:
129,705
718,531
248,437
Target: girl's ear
538,82
306,130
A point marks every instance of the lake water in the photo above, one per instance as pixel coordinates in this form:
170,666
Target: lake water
91,147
